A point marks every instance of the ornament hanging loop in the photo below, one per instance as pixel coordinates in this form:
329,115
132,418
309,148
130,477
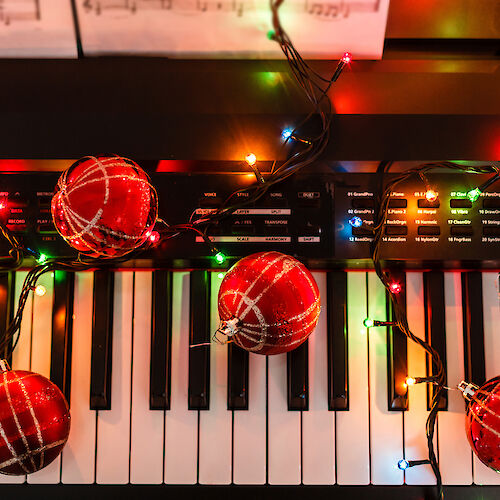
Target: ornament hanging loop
226,330
4,365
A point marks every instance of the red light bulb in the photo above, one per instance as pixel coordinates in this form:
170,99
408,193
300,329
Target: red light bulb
431,195
154,237
347,57
395,287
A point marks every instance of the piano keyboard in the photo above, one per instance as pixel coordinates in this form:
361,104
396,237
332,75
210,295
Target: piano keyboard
319,415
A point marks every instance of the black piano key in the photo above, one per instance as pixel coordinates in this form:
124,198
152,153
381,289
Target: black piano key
6,309
472,312
62,331
199,333
397,358
435,329
298,378
338,391
237,378
102,341
161,341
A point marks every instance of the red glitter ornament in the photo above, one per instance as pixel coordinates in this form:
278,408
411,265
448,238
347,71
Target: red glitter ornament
268,303
104,207
483,421
34,421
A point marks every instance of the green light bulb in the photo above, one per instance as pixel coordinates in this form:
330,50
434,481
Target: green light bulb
220,258
220,275
368,322
271,34
474,194
42,258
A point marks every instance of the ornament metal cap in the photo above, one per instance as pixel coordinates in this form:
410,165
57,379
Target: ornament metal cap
468,390
227,328
4,365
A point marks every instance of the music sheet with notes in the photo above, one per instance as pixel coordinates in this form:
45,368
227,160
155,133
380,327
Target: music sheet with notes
37,28
231,28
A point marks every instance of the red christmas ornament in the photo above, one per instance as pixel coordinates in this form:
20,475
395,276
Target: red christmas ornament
483,421
34,421
268,303
104,207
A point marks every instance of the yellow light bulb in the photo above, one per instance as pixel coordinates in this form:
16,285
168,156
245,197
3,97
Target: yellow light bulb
40,290
251,159
410,381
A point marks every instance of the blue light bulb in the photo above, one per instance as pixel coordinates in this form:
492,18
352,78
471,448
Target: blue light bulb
287,133
403,464
355,222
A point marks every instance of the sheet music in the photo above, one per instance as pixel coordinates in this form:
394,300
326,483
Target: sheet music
37,28
231,28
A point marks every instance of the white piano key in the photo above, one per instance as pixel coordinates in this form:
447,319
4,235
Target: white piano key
249,428
352,428
78,459
318,424
284,435
21,357
491,315
41,343
415,440
181,424
147,426
455,456
22,353
386,427
113,426
216,423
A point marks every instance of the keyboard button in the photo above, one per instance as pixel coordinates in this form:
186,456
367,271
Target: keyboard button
352,429
460,203
210,202
363,203
461,230
297,378
113,425
435,328
491,230
237,390
428,230
386,427
398,203
491,312
249,428
216,424
102,340
181,424
40,361
146,461
336,307
424,203
415,441
396,230
62,331
199,333
397,354
284,438
472,310
362,231
78,458
161,339
318,424
491,202
455,455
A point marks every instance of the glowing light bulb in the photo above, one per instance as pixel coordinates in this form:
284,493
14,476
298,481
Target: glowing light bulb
251,159
431,195
41,258
410,381
220,258
395,287
40,290
403,464
474,194
220,275
286,133
356,222
347,57
368,322
3,205
154,237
